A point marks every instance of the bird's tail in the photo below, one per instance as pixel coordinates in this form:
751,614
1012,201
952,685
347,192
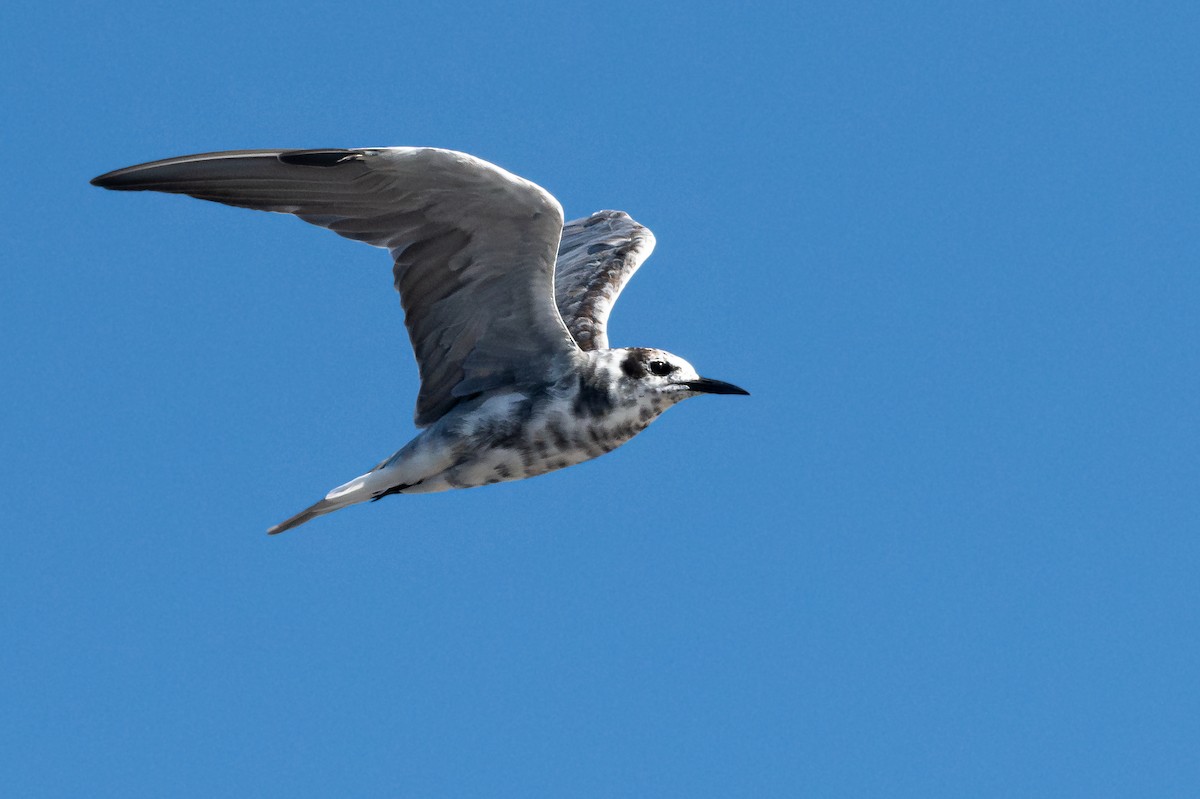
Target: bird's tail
360,489
311,512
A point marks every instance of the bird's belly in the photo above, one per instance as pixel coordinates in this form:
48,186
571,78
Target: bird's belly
540,448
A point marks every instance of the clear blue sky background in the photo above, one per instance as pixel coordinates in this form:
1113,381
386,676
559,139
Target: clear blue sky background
949,547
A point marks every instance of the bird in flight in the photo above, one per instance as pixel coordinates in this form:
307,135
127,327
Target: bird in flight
506,306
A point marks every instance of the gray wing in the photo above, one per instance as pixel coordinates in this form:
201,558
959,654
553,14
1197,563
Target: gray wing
474,247
596,257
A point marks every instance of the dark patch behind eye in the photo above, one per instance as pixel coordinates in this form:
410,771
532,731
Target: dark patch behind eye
633,367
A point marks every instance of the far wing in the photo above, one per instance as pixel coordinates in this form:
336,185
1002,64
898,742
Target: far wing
474,247
596,257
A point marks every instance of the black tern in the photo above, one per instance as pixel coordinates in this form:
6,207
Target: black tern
506,306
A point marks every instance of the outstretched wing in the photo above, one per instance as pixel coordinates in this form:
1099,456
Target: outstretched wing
474,247
596,257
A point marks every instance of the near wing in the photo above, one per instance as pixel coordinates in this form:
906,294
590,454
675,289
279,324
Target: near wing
596,257
474,247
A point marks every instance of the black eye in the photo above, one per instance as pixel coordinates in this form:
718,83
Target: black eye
660,368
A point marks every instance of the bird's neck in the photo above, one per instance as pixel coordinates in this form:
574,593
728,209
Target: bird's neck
598,389
609,399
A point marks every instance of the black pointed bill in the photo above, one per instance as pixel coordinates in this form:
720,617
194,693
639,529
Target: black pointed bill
708,386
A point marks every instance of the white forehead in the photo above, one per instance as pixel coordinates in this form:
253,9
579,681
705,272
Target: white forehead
614,358
677,361
653,354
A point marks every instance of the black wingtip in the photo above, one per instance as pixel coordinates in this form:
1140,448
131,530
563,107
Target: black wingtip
113,180
186,170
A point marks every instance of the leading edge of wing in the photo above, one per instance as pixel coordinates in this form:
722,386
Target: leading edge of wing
474,247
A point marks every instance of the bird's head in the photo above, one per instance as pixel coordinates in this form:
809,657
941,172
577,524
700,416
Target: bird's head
657,374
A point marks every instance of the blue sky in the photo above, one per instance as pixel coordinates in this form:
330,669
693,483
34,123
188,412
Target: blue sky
947,548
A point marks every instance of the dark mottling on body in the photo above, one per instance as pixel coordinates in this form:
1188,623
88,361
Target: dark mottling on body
590,399
558,436
526,460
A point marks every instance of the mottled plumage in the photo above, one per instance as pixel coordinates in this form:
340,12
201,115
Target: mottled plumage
506,307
